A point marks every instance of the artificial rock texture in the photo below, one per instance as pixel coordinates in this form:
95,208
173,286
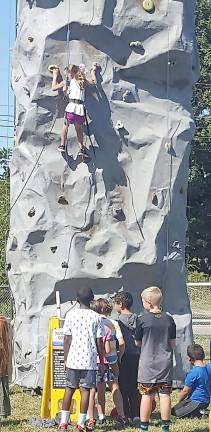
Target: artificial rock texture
122,220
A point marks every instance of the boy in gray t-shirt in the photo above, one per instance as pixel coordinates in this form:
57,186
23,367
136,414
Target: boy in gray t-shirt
155,334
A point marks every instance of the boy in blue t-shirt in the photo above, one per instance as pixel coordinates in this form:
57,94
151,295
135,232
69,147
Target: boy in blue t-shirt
196,392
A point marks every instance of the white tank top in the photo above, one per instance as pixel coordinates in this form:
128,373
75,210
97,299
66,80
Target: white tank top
75,92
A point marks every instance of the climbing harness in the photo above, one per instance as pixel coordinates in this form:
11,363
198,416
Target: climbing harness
88,130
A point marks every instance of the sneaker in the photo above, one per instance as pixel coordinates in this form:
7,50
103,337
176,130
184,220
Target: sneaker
91,424
122,420
101,421
63,426
61,148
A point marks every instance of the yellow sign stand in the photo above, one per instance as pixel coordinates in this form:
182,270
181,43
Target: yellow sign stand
54,377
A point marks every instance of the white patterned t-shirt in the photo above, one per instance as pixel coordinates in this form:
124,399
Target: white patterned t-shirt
84,326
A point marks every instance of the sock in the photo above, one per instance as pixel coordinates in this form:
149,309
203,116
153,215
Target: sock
165,425
65,415
101,416
81,420
144,426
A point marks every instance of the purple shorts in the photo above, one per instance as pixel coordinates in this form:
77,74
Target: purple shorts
71,118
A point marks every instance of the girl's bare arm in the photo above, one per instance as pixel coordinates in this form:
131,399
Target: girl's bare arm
55,85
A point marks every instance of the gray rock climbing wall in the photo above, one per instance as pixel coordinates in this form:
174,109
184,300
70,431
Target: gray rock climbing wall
121,221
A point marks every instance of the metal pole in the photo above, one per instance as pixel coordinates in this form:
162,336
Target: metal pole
58,305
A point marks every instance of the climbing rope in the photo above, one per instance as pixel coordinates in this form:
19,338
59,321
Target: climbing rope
33,168
167,133
78,231
68,37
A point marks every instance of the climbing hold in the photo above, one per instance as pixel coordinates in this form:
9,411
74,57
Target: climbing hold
148,5
53,249
181,190
64,264
119,125
62,200
176,244
27,353
8,267
31,212
136,44
154,199
52,67
27,91
99,265
17,78
30,39
118,214
125,95
168,146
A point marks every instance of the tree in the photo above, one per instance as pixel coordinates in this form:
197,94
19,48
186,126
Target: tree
199,196
5,155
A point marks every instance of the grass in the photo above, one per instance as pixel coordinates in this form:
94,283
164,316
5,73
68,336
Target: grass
25,407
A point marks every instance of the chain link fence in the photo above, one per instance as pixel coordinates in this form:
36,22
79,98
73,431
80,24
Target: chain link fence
200,301
6,302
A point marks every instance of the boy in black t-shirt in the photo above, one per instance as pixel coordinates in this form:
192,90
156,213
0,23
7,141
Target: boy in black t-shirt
129,363
155,334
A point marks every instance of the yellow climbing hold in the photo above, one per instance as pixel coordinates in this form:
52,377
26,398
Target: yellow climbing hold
52,67
148,5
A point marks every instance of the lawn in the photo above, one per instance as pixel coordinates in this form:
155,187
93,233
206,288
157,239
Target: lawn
25,407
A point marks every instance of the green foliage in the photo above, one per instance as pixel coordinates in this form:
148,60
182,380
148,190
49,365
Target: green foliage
5,155
4,224
199,205
196,276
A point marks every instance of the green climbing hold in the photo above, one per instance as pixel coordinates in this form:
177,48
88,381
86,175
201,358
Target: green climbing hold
148,5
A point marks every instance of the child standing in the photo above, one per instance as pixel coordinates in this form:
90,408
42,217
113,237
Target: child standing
196,393
5,368
110,376
155,334
75,111
123,302
83,332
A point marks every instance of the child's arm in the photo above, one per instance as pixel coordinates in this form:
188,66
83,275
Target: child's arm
184,393
67,343
93,73
93,80
55,85
120,339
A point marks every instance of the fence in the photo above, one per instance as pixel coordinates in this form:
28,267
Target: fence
6,302
200,301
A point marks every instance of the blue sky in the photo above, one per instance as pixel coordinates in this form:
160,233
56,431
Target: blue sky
7,36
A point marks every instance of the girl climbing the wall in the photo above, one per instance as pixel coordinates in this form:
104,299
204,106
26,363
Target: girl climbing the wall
74,88
5,368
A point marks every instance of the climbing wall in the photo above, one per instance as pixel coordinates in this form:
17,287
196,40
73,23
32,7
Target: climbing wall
119,220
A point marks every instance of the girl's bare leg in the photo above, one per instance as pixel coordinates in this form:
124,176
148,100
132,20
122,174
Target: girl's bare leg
91,404
80,135
64,135
101,387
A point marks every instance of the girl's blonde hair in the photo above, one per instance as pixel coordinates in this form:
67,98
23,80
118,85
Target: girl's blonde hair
79,76
153,295
4,344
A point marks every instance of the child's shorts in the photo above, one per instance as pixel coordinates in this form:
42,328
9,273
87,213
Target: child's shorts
152,388
76,378
108,375
71,118
112,358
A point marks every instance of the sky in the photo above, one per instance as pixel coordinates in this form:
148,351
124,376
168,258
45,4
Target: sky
7,37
